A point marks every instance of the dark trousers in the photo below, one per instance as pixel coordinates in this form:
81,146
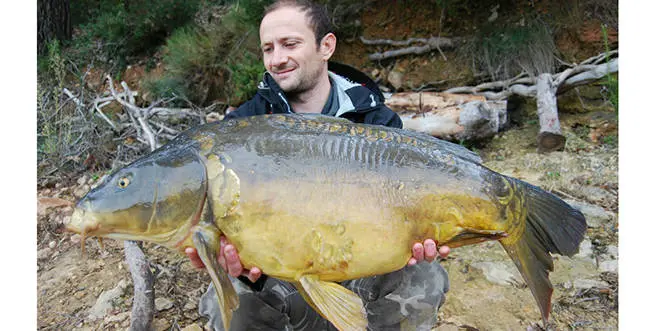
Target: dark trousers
407,299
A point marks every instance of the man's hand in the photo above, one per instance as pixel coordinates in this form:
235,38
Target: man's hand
228,259
427,251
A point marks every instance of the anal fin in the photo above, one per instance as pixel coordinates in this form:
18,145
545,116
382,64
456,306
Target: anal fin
207,242
340,306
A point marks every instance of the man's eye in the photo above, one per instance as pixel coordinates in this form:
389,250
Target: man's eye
289,45
266,49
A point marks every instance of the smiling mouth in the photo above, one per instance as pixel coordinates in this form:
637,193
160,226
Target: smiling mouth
284,72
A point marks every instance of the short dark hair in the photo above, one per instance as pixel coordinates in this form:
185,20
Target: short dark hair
317,15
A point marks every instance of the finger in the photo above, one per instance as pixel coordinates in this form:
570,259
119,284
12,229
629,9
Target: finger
444,251
234,266
221,255
254,275
196,262
430,250
412,261
418,251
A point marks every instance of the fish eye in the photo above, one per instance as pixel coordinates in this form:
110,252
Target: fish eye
123,182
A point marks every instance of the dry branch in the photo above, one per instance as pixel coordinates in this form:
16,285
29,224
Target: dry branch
428,44
143,309
545,88
525,85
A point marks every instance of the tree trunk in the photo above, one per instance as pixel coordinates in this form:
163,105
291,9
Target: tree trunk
53,22
449,116
549,138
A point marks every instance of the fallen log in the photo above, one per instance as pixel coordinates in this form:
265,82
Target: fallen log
457,117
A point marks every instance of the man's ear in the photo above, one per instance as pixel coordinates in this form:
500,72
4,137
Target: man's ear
327,46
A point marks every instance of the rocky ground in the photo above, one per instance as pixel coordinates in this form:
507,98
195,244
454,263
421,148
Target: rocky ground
94,292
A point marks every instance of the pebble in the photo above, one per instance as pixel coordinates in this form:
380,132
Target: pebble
498,272
52,244
192,327
583,284
586,251
118,318
163,304
609,266
76,238
161,324
613,251
82,180
104,304
190,305
43,253
396,79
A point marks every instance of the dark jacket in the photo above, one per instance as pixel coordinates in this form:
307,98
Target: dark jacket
360,100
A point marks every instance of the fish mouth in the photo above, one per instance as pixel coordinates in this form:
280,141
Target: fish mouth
84,225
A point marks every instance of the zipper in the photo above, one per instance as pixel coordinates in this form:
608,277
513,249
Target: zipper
288,109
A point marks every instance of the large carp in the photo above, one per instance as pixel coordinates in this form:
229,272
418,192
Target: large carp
315,200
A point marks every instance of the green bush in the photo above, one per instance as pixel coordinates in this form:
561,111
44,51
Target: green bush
53,125
214,60
504,52
125,29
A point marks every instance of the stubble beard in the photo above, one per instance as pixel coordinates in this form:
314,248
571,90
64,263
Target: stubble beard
304,83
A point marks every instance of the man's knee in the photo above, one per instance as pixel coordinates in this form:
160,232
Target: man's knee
414,302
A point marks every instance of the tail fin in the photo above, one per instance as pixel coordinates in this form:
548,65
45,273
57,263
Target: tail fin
551,226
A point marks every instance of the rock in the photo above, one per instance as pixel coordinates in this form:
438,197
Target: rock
118,318
595,215
161,324
213,117
583,284
82,180
190,305
613,252
76,238
586,249
80,192
163,304
104,302
498,272
609,266
43,253
192,327
396,79
52,244
447,327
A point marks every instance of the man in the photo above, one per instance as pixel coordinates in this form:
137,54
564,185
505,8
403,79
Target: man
297,44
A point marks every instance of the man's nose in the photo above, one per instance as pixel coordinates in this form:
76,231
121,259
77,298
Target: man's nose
278,58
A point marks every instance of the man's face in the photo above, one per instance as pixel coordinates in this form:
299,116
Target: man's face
289,50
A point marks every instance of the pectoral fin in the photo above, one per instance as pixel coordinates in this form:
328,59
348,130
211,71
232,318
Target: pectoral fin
337,304
207,242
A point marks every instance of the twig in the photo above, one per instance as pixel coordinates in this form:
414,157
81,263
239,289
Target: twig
102,115
72,97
